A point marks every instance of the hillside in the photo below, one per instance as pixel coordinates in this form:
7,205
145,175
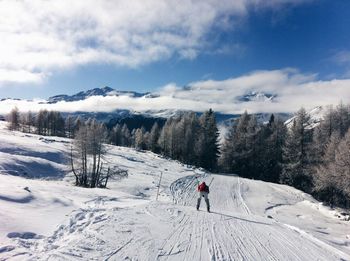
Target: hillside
44,217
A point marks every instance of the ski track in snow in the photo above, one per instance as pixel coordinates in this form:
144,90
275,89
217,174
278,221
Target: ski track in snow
230,232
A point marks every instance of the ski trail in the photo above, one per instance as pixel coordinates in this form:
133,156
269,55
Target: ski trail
247,210
232,232
167,232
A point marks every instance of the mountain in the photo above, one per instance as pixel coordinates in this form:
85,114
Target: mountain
146,117
105,91
316,116
256,96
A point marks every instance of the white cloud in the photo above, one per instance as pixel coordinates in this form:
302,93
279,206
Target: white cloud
19,76
46,35
293,90
342,57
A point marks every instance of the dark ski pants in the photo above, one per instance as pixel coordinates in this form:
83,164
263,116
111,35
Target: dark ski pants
205,196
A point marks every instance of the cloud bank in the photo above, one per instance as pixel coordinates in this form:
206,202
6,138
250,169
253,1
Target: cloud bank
41,36
291,88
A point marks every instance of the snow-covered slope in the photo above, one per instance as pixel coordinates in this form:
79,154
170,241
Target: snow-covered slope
316,115
46,218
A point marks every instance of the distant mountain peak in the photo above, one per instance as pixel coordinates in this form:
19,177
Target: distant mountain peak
104,91
256,96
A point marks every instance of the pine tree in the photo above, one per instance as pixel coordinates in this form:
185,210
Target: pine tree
270,154
208,149
139,139
241,149
125,136
253,148
296,168
240,159
190,138
227,148
116,135
153,138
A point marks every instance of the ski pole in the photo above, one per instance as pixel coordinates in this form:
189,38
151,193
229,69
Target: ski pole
160,179
211,181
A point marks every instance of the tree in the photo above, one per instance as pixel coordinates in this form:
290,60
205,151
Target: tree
116,135
342,115
29,121
14,119
342,167
139,139
332,178
87,156
125,136
296,168
153,138
191,132
208,147
69,126
165,140
41,122
238,146
270,142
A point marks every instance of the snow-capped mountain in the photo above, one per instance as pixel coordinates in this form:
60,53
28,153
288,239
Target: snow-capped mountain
105,91
160,113
316,116
91,103
256,96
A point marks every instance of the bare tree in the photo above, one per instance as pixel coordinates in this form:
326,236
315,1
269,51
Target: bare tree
14,119
87,156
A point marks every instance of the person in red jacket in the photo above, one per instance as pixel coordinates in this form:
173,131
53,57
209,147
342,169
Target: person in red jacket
203,190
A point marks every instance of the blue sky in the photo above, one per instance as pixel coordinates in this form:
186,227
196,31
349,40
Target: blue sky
150,44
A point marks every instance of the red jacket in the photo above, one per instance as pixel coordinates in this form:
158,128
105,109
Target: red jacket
203,187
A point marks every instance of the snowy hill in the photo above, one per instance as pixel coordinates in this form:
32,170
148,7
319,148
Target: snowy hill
44,217
316,116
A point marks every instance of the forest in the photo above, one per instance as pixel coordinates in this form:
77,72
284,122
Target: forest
315,160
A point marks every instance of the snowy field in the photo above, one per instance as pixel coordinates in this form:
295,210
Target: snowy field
44,217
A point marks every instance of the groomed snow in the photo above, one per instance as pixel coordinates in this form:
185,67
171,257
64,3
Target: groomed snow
44,217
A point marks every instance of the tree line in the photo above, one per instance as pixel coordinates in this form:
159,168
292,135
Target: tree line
313,159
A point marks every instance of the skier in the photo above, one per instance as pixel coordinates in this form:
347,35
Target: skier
203,190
